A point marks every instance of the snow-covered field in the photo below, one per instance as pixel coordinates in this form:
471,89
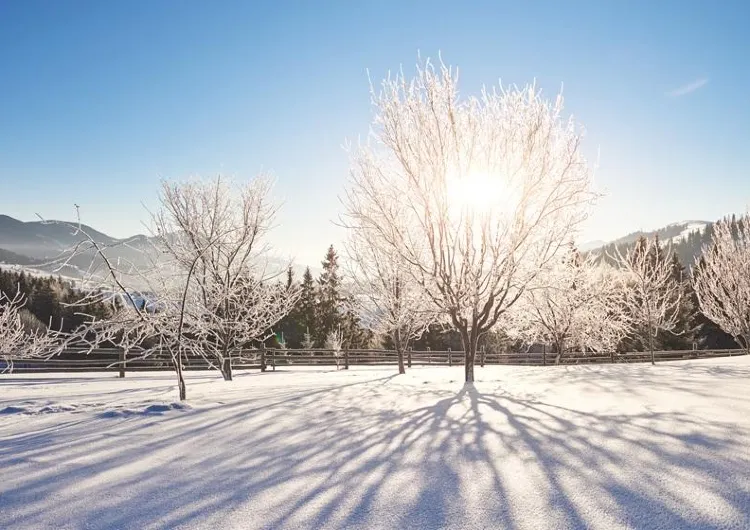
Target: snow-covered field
623,446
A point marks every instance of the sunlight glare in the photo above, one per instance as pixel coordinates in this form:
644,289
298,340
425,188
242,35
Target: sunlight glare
478,192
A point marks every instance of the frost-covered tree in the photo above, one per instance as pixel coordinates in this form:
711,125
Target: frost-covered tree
722,279
472,195
391,303
574,303
653,296
151,305
20,335
207,291
219,227
334,341
307,341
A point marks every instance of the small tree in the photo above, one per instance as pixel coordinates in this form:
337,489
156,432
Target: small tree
653,296
472,196
307,341
722,279
575,303
158,320
391,302
218,227
334,341
21,335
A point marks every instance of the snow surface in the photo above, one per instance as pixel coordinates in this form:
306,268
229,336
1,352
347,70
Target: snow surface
618,446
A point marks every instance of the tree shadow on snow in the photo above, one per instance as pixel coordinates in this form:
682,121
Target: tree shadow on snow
378,453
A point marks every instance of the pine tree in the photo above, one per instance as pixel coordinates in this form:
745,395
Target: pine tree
45,304
685,331
305,314
330,302
289,330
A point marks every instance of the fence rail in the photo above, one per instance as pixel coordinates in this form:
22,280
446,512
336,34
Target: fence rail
114,360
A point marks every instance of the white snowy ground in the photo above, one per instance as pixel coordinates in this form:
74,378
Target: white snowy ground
624,446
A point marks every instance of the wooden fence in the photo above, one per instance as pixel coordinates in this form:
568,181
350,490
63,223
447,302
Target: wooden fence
104,360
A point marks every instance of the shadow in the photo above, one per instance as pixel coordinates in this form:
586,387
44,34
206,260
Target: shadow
523,448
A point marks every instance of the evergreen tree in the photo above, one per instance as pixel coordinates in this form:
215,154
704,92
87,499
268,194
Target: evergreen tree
305,314
685,332
330,310
45,304
290,330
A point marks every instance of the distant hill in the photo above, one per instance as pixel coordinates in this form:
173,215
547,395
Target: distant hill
686,238
6,256
41,239
44,246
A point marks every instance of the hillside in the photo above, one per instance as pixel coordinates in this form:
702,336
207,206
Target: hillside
43,240
45,246
686,238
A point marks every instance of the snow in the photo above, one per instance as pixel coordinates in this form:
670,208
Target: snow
610,446
690,227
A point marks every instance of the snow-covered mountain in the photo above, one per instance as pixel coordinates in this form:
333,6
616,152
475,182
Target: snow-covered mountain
672,233
43,247
685,237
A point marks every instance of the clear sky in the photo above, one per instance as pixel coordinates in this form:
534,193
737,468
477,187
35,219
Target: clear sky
100,99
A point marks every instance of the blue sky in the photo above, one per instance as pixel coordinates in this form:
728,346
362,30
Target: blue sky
98,100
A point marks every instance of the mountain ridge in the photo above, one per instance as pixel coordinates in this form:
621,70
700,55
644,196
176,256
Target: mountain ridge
44,245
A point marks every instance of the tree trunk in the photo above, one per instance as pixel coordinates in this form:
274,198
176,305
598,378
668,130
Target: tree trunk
225,363
399,351
744,343
226,368
177,360
651,348
559,346
123,356
469,340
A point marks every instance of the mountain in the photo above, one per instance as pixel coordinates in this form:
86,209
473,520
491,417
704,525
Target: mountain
43,239
45,247
686,238
6,256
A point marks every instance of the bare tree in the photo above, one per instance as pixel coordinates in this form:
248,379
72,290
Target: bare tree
334,341
203,293
19,337
219,227
150,303
653,295
307,340
576,302
721,279
471,195
391,303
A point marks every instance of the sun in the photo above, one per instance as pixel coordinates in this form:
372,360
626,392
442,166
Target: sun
478,192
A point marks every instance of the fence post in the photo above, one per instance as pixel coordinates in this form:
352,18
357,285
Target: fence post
481,357
429,355
450,358
408,357
346,359
123,354
544,355
262,357
273,360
